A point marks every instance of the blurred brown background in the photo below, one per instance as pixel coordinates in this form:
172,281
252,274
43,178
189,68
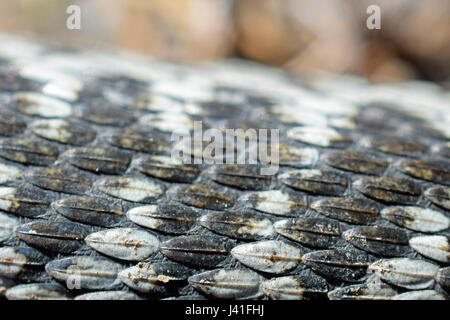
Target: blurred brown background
303,36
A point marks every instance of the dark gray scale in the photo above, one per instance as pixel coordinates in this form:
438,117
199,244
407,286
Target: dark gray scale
168,217
437,171
373,125
215,109
58,236
238,224
11,81
246,177
86,272
315,181
10,124
390,190
351,210
314,232
202,251
90,210
106,115
423,129
26,201
202,196
5,284
119,90
163,167
383,241
396,146
99,160
64,131
148,142
346,265
60,180
356,162
378,117
28,151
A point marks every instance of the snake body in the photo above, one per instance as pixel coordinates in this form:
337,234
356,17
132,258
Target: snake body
93,206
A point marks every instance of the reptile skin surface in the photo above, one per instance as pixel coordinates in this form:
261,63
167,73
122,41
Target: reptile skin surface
93,205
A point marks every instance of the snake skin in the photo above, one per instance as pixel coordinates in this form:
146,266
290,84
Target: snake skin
92,207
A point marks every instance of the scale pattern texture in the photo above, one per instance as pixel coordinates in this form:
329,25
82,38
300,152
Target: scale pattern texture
94,207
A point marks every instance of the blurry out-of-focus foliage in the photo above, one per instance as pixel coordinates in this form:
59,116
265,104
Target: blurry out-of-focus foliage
303,36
